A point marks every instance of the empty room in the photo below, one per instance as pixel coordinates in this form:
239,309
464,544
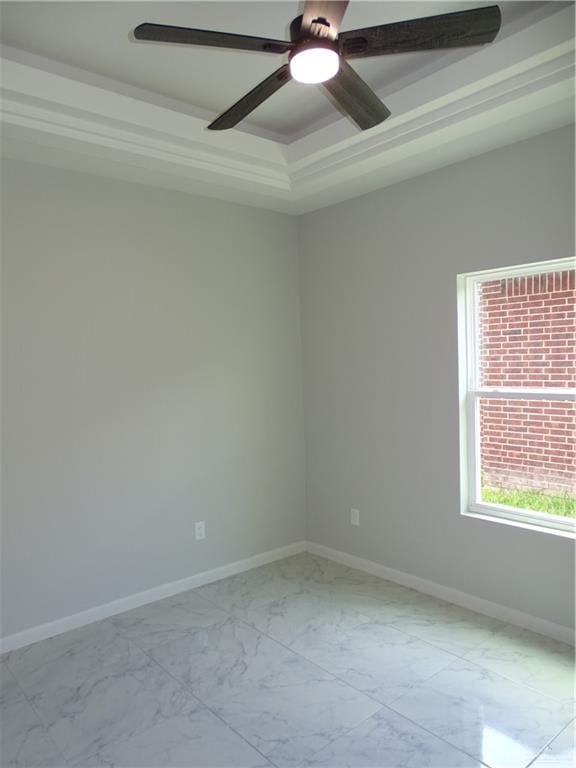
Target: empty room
288,384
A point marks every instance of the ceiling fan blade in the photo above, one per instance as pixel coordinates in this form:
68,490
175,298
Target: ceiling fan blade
263,90
162,33
356,98
330,11
450,30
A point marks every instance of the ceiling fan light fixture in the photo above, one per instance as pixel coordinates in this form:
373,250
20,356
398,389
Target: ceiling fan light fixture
314,63
318,52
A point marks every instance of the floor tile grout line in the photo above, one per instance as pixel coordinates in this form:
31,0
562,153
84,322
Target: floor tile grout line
480,666
448,603
349,685
463,657
414,637
381,706
308,586
107,664
544,748
479,760
189,690
498,674
133,642
382,600
103,666
564,702
389,706
45,728
263,634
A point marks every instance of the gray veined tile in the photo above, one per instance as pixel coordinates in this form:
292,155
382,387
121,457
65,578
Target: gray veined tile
191,738
561,753
300,619
345,585
291,722
288,724
378,659
387,740
247,590
118,701
353,582
215,663
448,626
68,658
382,601
375,658
523,656
311,569
283,705
25,743
500,722
169,619
9,688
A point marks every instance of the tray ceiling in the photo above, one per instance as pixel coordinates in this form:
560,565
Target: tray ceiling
77,92
95,37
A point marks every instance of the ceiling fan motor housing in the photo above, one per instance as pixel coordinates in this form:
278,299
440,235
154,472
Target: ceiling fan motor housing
313,42
320,30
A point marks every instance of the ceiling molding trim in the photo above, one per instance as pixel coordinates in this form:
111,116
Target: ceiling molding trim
518,53
17,112
115,86
479,97
67,94
470,105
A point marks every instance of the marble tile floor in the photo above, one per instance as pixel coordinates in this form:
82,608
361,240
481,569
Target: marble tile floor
303,662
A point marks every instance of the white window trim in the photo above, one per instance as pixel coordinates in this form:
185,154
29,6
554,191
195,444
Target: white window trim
470,393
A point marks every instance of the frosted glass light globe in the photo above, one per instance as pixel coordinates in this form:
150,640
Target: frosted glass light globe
314,65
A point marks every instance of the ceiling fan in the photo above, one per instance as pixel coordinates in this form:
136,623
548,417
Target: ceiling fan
318,52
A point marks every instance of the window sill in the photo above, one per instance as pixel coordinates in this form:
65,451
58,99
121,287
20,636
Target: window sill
563,527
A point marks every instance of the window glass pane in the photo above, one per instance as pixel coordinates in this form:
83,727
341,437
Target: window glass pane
528,454
527,331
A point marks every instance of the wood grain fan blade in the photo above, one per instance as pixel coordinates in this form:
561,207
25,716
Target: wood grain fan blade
248,103
356,98
162,33
450,30
331,11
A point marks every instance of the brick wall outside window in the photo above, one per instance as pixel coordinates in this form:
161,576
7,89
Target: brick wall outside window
528,339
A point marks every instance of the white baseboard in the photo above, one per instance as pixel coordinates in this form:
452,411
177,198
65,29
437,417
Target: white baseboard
57,627
450,595
478,604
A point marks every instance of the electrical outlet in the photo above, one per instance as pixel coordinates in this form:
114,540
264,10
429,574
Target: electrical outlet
354,517
200,530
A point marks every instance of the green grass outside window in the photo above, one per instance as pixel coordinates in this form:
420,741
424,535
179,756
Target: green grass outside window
563,505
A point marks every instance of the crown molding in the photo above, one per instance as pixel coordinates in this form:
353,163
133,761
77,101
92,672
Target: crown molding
516,88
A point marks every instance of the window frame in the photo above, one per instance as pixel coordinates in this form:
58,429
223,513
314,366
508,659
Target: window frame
471,391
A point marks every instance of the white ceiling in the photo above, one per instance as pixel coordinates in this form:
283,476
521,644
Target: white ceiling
95,37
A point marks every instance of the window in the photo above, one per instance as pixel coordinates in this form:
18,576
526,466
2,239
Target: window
517,337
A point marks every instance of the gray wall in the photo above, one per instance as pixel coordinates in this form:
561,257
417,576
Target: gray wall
151,378
381,380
